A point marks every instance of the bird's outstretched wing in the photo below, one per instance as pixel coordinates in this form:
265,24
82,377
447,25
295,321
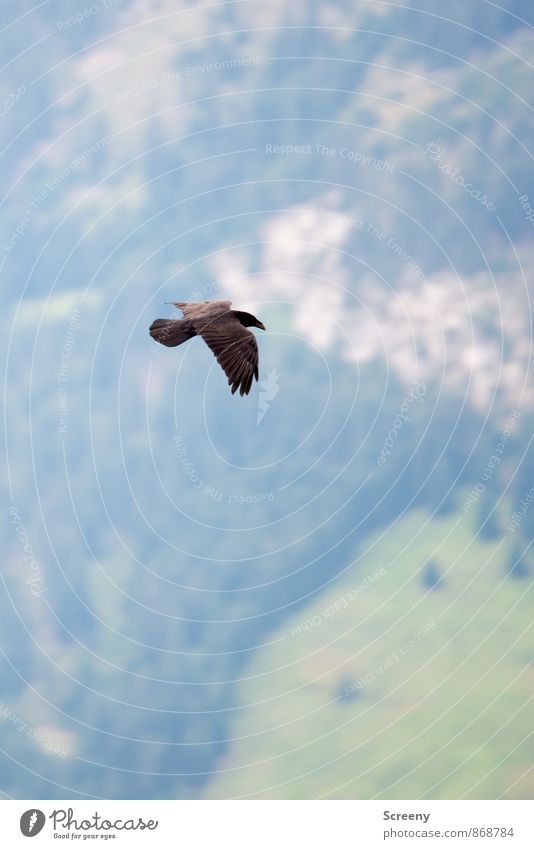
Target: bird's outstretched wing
235,348
203,309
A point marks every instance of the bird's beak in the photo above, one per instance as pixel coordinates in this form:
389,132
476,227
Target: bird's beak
261,325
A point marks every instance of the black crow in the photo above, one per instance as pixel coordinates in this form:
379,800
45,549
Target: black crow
224,330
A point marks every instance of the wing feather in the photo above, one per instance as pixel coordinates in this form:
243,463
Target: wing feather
234,346
203,309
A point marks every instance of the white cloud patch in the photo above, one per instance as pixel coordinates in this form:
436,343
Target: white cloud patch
442,328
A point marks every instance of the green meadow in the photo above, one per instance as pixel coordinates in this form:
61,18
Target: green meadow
419,685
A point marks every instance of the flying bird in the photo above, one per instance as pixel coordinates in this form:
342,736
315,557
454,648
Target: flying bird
224,330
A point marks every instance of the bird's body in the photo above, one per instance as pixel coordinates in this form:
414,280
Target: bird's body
224,330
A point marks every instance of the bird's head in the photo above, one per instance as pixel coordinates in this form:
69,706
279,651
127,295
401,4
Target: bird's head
248,320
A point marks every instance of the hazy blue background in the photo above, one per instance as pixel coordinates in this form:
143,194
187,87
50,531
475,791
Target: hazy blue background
325,588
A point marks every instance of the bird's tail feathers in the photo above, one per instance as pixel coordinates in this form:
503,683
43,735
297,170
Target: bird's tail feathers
171,331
